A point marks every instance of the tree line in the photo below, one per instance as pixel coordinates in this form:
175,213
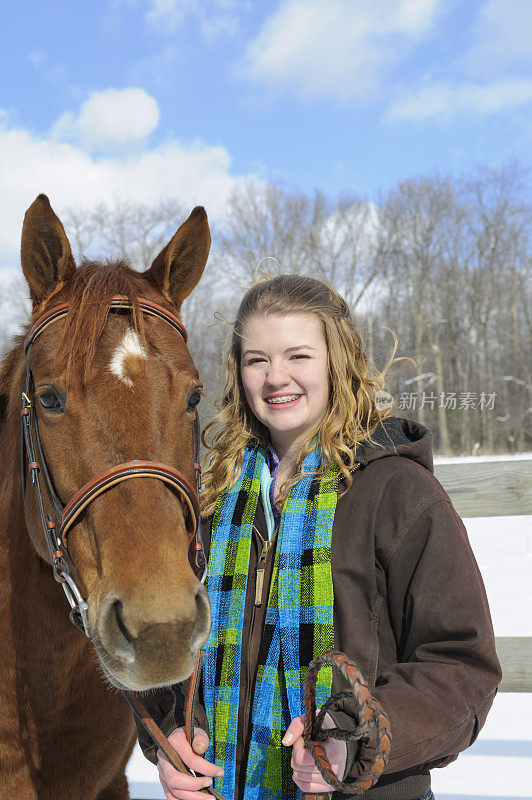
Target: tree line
437,267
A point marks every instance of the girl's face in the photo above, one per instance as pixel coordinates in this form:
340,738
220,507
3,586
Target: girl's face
285,373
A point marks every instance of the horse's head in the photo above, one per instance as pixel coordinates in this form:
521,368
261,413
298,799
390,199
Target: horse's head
111,388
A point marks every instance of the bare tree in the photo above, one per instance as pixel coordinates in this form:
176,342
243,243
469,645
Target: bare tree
499,222
415,219
262,220
15,308
457,274
334,240
135,231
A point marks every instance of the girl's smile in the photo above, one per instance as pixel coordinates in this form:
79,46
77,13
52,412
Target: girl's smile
283,399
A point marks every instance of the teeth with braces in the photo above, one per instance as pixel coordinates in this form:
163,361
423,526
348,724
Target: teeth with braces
279,400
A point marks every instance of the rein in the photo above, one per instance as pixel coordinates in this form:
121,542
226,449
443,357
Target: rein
370,714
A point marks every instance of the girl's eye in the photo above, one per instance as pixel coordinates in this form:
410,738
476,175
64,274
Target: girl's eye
53,401
255,361
300,356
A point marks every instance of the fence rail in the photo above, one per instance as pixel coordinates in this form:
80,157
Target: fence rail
515,655
488,488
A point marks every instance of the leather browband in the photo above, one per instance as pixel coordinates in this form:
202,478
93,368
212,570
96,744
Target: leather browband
118,301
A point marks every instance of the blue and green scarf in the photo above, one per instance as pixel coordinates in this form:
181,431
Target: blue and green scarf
298,623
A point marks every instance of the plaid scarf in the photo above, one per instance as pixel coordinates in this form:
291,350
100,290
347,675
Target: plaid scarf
298,623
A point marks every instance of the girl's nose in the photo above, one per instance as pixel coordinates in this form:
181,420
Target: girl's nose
277,374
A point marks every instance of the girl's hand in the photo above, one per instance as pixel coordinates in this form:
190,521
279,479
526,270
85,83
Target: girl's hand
305,772
186,787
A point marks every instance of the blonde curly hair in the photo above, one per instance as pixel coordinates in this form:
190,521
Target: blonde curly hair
354,381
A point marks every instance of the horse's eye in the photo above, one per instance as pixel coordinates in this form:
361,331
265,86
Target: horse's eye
193,399
52,400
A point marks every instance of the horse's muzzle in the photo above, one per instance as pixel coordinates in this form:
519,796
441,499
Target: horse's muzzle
139,653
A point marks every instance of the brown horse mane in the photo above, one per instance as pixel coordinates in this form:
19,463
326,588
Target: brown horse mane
7,369
90,292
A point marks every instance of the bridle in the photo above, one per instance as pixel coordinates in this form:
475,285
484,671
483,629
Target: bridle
66,515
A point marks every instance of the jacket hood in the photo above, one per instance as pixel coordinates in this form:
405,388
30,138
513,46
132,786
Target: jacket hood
397,436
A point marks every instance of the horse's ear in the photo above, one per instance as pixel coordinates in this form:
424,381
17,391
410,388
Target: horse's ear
47,260
179,266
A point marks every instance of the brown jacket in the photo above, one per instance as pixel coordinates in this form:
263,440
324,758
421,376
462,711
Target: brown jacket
410,609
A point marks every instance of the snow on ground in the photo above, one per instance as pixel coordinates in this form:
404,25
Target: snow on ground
470,459
143,777
499,764
503,549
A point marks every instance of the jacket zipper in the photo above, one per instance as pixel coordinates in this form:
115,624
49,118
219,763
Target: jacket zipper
261,565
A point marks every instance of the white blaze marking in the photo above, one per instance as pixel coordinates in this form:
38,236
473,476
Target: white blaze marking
130,346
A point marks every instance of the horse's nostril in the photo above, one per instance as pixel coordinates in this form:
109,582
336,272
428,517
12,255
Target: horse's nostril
117,608
113,632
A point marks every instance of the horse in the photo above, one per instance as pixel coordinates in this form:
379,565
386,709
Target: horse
104,381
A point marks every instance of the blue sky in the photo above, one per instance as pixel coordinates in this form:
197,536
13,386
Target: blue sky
143,99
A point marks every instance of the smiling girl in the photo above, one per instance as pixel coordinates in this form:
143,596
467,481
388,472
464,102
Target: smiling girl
326,529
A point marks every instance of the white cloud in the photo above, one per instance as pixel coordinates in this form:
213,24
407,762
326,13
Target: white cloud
443,101
342,48
501,36
192,173
168,12
110,118
216,18
490,84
